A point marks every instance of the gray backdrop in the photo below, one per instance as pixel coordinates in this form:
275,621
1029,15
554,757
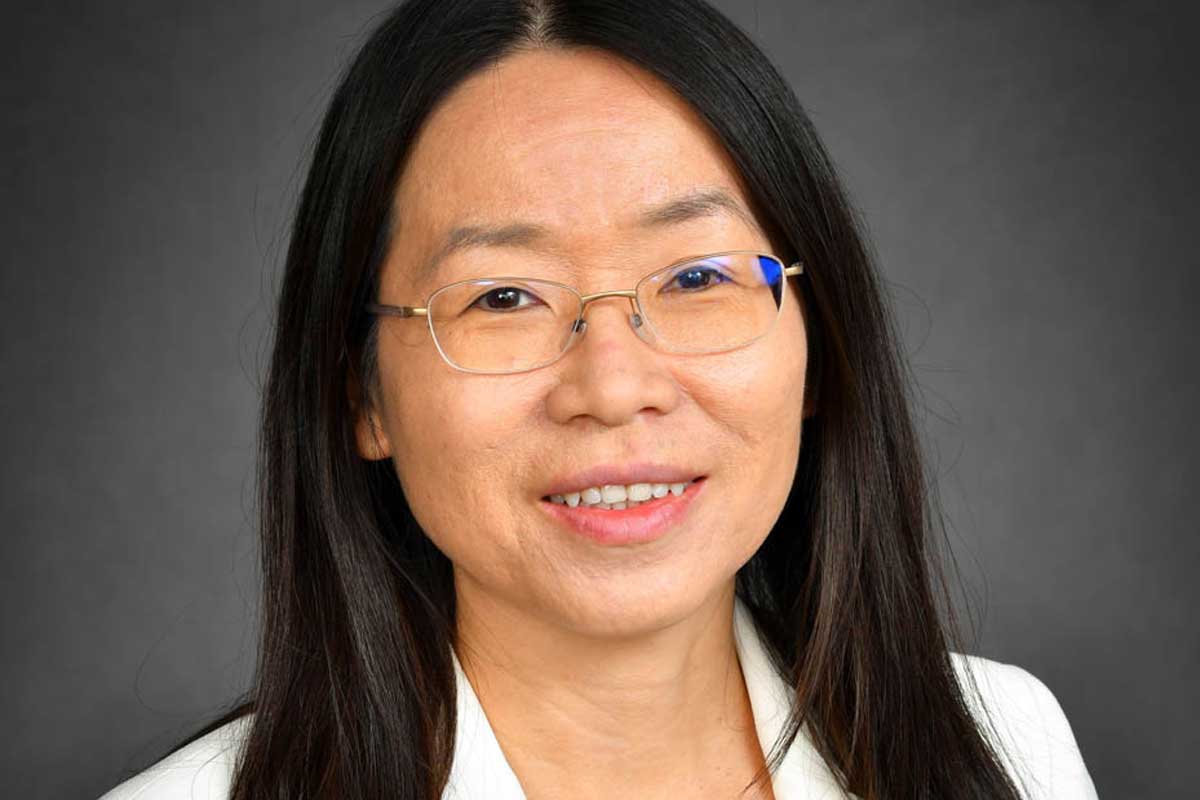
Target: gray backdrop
1027,170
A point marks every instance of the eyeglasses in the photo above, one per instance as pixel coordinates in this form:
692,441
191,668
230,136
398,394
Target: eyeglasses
505,325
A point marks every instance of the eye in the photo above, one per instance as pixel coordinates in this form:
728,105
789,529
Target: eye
504,298
697,277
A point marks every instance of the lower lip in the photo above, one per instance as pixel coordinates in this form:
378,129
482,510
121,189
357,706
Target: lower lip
644,523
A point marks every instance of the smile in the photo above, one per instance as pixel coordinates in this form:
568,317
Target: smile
625,522
618,497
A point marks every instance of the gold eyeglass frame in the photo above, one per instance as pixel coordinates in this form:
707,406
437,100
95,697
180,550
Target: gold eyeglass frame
637,318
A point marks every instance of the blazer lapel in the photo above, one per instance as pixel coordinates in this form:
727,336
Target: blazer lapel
802,774
479,769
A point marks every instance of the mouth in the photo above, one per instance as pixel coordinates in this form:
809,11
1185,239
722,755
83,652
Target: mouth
625,522
621,497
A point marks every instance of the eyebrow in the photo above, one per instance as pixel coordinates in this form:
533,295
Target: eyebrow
696,204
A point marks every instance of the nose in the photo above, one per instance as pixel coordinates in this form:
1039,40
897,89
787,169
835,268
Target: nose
611,371
644,332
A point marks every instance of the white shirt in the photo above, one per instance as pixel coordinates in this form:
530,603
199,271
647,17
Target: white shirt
1038,747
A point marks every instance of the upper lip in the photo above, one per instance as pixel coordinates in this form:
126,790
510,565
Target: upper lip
621,474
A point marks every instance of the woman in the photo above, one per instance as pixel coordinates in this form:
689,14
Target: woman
587,465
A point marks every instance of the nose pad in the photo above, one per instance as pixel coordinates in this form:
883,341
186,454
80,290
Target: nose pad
574,335
641,328
635,319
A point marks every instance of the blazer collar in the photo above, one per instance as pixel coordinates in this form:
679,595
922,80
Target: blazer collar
480,769
802,773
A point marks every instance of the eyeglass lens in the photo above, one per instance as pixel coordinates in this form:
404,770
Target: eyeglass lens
706,305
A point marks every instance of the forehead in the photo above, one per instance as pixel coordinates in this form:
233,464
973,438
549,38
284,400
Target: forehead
577,141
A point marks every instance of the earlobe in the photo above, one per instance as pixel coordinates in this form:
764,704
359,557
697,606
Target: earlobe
810,408
370,438
810,400
372,441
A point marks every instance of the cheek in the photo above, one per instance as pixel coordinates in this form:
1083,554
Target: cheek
444,426
757,392
755,398
452,441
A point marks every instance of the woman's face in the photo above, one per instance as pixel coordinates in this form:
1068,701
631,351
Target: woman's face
581,143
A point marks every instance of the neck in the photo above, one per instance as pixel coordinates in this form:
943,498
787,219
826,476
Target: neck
668,705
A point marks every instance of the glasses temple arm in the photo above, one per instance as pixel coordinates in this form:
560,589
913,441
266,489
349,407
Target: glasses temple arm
395,311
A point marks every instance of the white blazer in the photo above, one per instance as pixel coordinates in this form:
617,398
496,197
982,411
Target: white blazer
1037,745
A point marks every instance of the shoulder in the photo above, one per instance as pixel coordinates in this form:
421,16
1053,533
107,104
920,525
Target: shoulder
1019,713
203,770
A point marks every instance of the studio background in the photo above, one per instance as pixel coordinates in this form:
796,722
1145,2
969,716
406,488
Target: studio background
1028,175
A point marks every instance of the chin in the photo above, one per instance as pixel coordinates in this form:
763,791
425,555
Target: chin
625,611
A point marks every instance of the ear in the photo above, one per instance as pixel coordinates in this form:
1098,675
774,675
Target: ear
812,370
812,380
370,437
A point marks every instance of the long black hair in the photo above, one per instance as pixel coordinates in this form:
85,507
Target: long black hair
354,689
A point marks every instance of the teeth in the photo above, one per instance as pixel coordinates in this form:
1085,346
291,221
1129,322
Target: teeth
616,497
613,494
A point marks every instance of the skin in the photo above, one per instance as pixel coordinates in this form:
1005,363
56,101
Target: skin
585,656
